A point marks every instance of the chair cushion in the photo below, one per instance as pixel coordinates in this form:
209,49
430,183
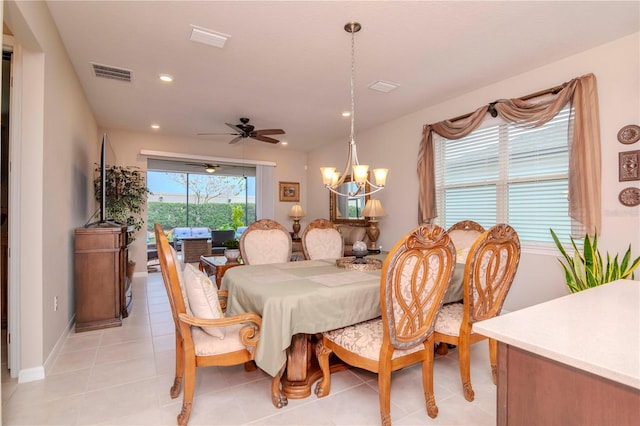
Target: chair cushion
200,232
203,298
323,244
206,345
365,340
449,319
181,232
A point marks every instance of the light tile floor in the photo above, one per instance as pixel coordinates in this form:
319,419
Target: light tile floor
121,376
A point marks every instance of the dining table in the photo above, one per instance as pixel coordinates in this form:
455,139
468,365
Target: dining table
297,302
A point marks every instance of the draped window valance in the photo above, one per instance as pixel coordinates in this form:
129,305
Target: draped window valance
584,150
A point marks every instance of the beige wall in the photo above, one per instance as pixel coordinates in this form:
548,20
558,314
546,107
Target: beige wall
58,146
395,145
290,166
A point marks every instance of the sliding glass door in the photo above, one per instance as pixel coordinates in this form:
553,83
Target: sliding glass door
192,199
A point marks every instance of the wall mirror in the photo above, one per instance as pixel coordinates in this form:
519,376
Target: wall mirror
348,210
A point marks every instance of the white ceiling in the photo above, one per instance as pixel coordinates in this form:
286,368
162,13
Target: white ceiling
287,63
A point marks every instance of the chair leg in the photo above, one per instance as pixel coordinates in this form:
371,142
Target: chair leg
250,366
278,398
177,381
427,379
465,369
323,387
493,357
189,389
384,386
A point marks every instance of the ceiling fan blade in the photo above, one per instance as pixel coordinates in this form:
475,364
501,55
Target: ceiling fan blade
214,134
269,132
265,139
235,140
234,127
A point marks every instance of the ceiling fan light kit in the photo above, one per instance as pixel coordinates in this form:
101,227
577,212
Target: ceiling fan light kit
360,172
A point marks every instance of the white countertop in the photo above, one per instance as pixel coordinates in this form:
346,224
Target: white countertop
596,330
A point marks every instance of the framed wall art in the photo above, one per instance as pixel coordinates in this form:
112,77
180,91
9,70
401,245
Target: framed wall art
628,162
289,191
629,134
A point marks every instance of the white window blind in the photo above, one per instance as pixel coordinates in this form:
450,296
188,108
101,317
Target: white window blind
501,173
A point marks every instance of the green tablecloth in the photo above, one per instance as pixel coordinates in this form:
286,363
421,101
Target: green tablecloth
310,296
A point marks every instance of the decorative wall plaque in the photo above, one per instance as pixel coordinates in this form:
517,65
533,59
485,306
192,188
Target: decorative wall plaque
628,166
629,134
630,197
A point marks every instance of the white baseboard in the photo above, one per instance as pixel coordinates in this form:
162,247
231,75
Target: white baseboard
53,355
31,374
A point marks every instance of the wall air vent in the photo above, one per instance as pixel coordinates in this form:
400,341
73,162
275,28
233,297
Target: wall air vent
111,72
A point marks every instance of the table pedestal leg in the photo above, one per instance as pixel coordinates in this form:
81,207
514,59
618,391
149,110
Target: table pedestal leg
302,369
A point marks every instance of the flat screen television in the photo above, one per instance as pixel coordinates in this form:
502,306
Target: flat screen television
107,159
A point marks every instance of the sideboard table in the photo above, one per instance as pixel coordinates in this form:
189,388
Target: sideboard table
217,265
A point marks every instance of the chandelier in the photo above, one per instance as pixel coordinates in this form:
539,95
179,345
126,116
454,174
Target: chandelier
332,179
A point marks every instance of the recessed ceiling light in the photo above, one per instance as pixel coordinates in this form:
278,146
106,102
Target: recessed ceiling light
155,126
284,143
383,86
166,78
212,38
346,114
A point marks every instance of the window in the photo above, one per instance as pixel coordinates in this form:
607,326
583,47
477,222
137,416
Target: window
501,173
184,199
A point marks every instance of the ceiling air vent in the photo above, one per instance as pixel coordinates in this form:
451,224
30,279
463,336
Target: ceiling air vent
111,72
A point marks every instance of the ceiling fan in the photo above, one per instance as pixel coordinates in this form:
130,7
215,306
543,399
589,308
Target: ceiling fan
246,130
209,168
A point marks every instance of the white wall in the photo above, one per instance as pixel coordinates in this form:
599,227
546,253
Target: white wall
395,145
290,166
58,143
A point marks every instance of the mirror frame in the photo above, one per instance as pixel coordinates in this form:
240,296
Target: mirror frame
333,205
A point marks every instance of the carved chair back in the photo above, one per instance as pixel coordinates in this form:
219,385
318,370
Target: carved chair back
322,240
265,241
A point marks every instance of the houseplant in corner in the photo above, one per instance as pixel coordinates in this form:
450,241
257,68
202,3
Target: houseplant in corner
126,194
586,269
232,250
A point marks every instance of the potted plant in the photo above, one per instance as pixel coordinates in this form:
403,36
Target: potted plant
232,250
586,269
126,194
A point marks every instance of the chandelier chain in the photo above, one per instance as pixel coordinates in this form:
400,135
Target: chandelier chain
353,92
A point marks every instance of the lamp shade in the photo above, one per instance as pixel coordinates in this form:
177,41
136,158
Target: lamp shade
373,208
296,211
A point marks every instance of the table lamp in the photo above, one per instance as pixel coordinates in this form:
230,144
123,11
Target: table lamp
372,210
296,213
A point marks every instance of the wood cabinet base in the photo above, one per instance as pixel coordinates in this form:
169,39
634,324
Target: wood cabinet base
534,390
101,289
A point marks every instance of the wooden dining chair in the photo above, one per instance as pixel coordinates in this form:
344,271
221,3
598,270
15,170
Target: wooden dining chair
265,241
463,234
201,342
322,240
489,272
413,281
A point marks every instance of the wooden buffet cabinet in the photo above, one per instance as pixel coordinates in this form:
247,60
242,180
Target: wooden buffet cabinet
102,290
